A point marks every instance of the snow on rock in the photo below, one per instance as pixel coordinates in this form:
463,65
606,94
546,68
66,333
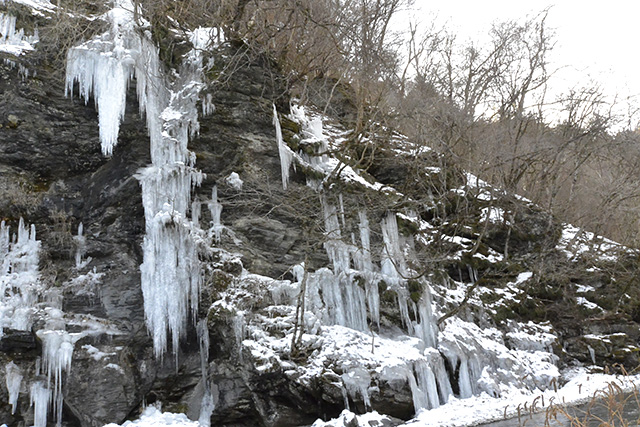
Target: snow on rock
154,417
576,242
234,181
323,138
350,419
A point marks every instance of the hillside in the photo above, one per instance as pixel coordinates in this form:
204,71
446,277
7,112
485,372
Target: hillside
183,226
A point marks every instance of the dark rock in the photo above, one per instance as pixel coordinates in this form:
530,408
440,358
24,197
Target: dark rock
17,341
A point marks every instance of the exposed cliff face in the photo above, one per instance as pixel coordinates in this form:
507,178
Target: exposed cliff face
386,256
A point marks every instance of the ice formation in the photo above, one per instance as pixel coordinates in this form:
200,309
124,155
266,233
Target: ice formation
286,155
14,381
20,285
103,67
234,181
393,263
12,41
81,248
215,207
40,398
57,352
356,381
207,405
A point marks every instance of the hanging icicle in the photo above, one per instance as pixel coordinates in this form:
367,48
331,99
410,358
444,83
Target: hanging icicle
286,155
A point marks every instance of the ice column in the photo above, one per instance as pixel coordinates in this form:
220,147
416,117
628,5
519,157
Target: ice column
286,155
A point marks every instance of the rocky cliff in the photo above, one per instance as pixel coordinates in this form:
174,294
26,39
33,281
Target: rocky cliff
394,283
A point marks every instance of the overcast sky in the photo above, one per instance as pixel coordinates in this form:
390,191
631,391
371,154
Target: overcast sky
594,38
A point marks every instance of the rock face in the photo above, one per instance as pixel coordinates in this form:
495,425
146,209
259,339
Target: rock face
53,175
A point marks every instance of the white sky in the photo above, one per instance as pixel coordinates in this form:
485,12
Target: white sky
595,39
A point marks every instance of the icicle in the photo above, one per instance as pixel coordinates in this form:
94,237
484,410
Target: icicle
203,339
426,329
216,211
426,383
357,380
337,250
345,395
393,260
286,156
40,397
364,264
4,249
420,400
466,390
13,381
81,247
592,353
404,311
208,107
365,241
206,409
337,299
238,332
57,352
195,212
342,211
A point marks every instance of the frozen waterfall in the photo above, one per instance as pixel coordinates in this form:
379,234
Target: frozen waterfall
102,68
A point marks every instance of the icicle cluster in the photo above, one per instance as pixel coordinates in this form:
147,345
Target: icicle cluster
103,68
57,352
